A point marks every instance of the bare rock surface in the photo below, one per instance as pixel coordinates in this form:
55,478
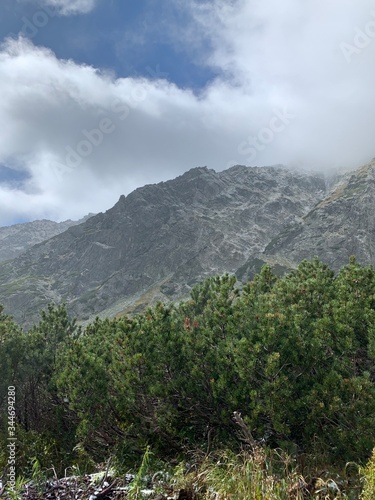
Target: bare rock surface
18,238
158,241
340,226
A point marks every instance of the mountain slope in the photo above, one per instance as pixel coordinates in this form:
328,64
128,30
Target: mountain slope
16,239
341,225
158,241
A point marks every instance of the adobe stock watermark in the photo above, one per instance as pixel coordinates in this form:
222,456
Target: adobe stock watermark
362,39
31,25
11,446
107,124
254,144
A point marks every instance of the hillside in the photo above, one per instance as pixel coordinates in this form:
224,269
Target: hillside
338,227
267,389
18,238
158,241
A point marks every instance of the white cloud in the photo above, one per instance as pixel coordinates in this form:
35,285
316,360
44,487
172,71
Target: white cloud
287,94
85,138
292,53
67,7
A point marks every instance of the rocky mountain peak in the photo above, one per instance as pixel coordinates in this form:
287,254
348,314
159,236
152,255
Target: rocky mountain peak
159,240
16,239
341,225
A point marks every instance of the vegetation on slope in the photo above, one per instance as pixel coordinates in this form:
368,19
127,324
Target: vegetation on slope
293,355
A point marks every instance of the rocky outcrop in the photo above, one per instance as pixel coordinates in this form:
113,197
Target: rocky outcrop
158,241
340,226
18,238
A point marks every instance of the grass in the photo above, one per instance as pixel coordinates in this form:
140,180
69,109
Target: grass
243,477
368,479
134,491
260,474
266,475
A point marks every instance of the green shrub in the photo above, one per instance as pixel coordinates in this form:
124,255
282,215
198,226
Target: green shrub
368,477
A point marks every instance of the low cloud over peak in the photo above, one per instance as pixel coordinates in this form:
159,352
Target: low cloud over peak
295,86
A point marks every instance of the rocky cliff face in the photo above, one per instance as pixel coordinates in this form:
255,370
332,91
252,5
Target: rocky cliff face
341,225
158,241
18,238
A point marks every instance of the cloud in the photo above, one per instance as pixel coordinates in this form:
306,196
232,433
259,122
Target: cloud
84,137
296,87
66,7
314,57
69,7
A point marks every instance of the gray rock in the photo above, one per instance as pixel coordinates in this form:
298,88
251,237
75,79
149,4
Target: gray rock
158,241
341,225
16,239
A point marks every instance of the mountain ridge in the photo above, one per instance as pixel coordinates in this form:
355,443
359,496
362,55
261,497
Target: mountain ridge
162,237
338,227
18,238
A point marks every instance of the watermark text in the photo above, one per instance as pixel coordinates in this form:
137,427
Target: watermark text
11,446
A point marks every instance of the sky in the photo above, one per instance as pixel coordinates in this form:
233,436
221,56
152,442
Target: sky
99,97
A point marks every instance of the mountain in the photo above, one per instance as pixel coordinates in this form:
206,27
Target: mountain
341,225
16,239
158,241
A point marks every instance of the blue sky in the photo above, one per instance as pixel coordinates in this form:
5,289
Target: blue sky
102,96
127,37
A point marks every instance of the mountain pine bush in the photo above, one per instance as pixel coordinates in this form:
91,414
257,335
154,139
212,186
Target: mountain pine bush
293,354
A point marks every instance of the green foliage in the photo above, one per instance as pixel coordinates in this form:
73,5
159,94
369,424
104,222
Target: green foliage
298,361
135,487
12,352
294,354
244,477
15,492
368,474
30,361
